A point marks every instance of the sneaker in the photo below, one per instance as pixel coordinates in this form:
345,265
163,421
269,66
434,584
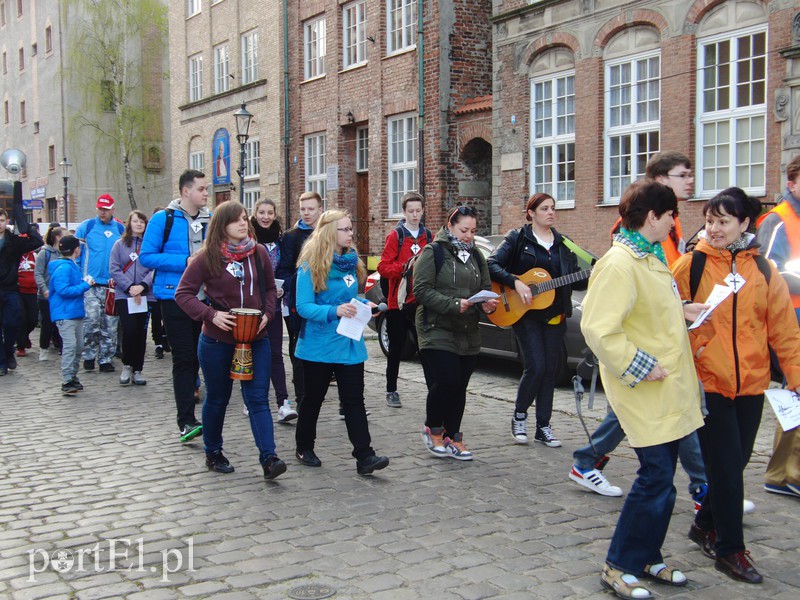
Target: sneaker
107,367
308,458
69,389
11,363
77,383
273,467
286,414
393,400
544,435
593,479
519,428
88,365
217,462
782,489
698,495
125,376
159,352
138,379
748,507
434,441
21,352
455,448
372,463
43,354
191,431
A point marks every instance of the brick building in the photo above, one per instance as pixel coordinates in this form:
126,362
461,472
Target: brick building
584,92
223,53
364,127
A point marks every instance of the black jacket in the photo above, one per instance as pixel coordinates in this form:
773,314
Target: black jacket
14,246
291,244
519,252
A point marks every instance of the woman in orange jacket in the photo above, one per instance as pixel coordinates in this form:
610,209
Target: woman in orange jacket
731,353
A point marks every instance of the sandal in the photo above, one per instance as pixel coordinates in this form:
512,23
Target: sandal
664,574
624,585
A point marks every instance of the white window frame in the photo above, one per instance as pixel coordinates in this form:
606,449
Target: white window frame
553,133
193,7
401,25
195,78
221,69
403,176
249,56
362,149
316,164
251,195
642,133
197,161
739,122
354,34
252,161
314,47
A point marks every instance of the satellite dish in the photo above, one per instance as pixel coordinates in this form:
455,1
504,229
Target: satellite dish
13,161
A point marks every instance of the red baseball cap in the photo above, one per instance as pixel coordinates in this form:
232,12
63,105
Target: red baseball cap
105,201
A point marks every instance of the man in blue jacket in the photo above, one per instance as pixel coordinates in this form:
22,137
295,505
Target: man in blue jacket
100,330
172,239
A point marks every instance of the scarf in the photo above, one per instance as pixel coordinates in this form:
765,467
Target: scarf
266,235
458,244
238,252
741,243
346,262
638,240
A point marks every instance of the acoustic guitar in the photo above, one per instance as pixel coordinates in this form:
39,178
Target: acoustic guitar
511,308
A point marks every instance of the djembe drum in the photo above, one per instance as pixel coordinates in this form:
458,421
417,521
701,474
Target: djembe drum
244,331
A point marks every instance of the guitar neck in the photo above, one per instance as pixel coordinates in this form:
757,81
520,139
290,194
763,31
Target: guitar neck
538,288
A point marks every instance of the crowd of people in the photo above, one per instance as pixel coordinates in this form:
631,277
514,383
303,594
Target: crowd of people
190,273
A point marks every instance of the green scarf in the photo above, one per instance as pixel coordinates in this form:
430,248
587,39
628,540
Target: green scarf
638,240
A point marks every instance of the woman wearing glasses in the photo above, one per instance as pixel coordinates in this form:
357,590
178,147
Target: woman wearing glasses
539,333
449,271
328,279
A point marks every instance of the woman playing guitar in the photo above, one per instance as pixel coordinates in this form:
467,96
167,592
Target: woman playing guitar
539,333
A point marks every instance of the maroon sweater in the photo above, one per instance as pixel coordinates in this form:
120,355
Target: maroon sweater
226,292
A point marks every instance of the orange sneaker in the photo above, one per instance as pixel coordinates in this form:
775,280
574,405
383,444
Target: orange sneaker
455,448
434,441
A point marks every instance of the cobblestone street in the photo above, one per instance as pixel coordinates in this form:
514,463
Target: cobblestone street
85,473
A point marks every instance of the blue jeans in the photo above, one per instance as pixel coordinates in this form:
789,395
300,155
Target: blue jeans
215,360
644,519
609,435
10,316
540,345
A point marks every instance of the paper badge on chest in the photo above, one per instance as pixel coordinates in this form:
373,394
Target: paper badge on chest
196,226
415,248
735,281
271,246
133,256
463,255
107,233
236,269
349,280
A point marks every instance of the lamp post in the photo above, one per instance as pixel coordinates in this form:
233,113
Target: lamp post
243,119
65,166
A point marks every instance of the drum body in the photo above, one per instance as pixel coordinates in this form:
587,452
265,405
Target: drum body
244,332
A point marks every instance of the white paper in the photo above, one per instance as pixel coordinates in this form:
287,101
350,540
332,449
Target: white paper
786,405
134,308
482,296
278,283
715,298
353,327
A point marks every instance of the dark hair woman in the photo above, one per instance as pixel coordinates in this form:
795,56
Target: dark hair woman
731,353
539,333
41,274
235,272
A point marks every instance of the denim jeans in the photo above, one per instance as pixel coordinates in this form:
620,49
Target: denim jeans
183,334
29,317
71,347
215,360
10,315
609,435
645,517
540,345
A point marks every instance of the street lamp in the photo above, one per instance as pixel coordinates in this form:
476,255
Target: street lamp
65,166
243,119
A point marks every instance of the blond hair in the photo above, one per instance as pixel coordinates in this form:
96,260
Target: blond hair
318,250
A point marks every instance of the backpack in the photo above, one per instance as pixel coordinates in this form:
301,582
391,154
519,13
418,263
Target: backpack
401,234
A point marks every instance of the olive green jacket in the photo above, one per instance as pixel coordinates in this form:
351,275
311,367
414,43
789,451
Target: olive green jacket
440,323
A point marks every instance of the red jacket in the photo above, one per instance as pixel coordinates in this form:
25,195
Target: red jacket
392,261
27,284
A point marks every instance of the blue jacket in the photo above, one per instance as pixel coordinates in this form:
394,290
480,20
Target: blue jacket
318,340
99,238
67,288
168,259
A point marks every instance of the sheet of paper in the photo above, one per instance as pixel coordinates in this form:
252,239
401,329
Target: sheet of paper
353,327
715,298
786,405
482,296
134,308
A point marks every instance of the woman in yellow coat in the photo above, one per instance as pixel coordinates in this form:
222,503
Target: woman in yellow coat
634,321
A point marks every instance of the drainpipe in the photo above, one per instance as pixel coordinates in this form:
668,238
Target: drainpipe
421,101
287,201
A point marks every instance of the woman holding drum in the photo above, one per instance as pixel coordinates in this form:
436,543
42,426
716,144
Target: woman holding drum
238,277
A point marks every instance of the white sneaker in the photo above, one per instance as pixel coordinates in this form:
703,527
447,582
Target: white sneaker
749,507
43,352
138,379
286,414
594,480
519,429
125,376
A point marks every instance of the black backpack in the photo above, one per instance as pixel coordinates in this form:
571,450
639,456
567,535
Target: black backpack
401,234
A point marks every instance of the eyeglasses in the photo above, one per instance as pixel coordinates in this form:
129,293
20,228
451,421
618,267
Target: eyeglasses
466,211
345,229
687,175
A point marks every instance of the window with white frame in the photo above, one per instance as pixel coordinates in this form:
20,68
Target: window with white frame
195,77
633,119
250,57
401,22
402,159
316,164
314,44
197,160
732,112
553,138
193,7
251,196
252,154
362,149
221,72
354,34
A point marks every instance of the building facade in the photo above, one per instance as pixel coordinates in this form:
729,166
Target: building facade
224,53
586,91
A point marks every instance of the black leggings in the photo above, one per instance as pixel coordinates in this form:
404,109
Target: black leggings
448,376
134,335
48,331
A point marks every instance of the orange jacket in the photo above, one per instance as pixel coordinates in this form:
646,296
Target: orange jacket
744,325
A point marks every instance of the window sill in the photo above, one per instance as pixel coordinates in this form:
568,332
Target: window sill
355,67
609,204
565,205
311,80
400,52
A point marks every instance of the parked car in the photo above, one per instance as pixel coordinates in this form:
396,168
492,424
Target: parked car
498,341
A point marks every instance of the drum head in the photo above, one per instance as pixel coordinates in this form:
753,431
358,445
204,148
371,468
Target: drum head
245,311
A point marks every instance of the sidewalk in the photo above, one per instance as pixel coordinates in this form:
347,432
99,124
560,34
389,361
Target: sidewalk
106,469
